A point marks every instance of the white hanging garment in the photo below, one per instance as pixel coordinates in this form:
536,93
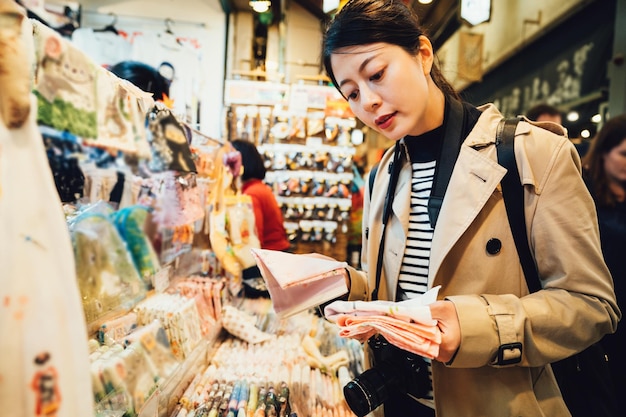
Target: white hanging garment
44,364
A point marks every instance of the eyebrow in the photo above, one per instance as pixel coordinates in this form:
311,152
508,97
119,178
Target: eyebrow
361,67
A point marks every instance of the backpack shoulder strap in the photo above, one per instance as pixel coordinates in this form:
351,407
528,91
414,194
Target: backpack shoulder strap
513,195
372,177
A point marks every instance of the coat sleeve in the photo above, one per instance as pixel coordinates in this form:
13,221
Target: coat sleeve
577,305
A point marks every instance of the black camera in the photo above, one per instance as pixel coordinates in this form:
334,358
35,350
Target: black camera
394,370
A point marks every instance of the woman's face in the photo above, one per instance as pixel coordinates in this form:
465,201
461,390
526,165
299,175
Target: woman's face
388,89
615,163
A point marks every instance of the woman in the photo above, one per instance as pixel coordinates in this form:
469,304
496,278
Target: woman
267,215
605,173
498,340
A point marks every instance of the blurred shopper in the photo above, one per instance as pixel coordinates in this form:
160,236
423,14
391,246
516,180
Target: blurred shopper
267,214
544,113
605,173
547,113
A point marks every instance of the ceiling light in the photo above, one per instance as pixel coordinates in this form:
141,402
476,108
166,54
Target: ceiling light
596,118
585,133
573,116
260,6
425,1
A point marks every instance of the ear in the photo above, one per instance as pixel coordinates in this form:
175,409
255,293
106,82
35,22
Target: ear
426,53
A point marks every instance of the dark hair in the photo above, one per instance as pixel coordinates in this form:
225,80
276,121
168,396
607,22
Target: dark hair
611,135
534,112
361,22
143,76
251,159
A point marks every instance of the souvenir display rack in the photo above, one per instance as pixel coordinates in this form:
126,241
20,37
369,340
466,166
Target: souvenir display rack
304,132
163,308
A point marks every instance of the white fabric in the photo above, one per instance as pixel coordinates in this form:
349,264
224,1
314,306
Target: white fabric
104,48
41,312
156,48
415,309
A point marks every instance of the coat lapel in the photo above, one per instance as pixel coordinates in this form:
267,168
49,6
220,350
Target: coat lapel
474,179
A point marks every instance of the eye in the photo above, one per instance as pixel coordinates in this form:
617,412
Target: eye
352,95
377,76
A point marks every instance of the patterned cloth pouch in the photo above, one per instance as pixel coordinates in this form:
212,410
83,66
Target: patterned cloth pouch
120,120
65,84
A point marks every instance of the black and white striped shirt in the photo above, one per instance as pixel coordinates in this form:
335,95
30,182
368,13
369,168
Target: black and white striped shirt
424,151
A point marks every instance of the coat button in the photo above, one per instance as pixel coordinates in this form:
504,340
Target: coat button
493,246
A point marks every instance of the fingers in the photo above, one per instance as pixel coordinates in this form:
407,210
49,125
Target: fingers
447,321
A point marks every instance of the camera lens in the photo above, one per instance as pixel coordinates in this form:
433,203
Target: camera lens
366,392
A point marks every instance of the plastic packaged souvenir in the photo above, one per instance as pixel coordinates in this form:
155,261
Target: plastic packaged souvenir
108,280
130,224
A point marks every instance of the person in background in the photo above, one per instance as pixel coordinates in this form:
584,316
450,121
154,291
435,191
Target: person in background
267,214
497,339
544,113
604,170
145,77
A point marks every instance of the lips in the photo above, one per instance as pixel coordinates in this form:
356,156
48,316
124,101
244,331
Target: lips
384,122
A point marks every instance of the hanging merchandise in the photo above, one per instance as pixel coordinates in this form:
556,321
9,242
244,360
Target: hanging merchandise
106,45
65,84
168,142
14,67
44,366
120,116
108,280
130,225
231,233
62,157
241,228
76,95
182,57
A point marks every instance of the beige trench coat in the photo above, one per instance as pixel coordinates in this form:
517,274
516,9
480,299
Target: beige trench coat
576,307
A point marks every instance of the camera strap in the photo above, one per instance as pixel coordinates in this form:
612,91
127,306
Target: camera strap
394,170
454,129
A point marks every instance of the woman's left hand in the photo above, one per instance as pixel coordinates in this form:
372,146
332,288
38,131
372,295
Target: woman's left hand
448,322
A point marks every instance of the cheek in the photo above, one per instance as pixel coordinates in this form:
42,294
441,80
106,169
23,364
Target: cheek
615,165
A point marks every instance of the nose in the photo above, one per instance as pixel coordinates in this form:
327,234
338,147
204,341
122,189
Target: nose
371,100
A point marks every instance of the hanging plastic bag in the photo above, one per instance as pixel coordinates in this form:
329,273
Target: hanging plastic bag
130,224
108,280
241,229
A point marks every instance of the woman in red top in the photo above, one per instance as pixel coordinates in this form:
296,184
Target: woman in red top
267,214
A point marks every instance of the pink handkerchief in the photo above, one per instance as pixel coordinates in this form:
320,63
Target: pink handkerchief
407,324
299,282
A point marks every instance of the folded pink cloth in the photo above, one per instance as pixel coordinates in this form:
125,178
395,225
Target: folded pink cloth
406,324
297,282
421,339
